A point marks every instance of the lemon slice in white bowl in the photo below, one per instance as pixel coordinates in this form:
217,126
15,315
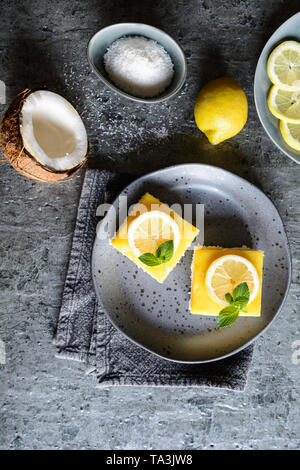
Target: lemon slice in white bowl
285,105
283,66
291,134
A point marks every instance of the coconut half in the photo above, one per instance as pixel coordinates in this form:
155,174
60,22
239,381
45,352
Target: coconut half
43,136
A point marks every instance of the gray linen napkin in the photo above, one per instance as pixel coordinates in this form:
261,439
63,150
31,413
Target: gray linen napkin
84,332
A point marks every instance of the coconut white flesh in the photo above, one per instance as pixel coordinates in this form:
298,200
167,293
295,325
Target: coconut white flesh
52,130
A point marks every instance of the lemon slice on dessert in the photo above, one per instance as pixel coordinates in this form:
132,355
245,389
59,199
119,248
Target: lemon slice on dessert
151,223
291,134
285,105
148,231
228,271
283,66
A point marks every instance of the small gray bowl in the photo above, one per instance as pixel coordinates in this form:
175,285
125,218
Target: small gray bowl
100,42
262,84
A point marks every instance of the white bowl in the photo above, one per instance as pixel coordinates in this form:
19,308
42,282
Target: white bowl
100,42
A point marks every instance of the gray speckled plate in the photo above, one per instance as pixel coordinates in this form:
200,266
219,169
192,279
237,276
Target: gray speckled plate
262,84
156,316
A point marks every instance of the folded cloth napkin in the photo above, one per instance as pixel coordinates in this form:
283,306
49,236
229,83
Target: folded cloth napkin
84,332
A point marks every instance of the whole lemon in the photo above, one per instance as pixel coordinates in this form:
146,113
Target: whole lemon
221,109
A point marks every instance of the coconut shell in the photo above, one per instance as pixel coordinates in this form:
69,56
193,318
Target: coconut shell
13,149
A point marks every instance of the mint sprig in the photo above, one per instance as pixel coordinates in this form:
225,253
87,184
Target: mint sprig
163,254
238,300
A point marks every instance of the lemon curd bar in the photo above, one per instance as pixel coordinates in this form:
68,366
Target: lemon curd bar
187,234
202,302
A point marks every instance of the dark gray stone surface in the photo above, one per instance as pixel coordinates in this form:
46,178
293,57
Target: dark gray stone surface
48,403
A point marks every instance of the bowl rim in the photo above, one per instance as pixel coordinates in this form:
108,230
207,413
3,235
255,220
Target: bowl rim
113,87
199,166
268,45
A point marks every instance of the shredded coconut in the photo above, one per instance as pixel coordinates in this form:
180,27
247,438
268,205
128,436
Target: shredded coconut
139,66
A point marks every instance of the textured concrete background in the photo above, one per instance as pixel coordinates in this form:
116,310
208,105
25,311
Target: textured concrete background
48,403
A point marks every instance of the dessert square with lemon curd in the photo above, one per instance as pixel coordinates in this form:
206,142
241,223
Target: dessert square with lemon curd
216,272
154,237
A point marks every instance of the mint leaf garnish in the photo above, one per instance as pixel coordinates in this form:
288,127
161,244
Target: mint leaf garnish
163,254
229,298
238,300
149,259
165,251
227,316
242,290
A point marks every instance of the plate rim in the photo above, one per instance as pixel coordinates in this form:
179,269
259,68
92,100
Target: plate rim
251,340
256,86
